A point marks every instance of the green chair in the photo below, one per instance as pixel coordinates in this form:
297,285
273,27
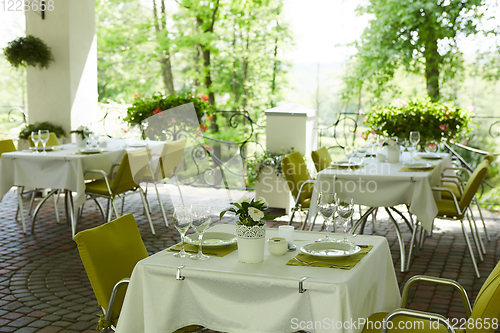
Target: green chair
109,254
299,182
110,188
485,310
456,209
321,158
456,184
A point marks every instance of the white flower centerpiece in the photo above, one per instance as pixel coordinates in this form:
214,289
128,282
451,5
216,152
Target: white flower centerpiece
250,228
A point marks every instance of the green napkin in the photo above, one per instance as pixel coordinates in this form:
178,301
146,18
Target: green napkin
351,260
410,169
345,167
218,251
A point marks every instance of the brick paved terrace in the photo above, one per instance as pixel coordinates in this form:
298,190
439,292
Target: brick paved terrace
44,287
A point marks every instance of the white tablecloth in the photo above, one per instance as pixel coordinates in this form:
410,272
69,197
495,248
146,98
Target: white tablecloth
226,295
382,185
61,169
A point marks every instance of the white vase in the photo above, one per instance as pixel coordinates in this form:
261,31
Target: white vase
80,142
251,242
393,153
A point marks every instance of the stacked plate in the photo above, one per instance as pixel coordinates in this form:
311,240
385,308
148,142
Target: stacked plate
330,249
212,239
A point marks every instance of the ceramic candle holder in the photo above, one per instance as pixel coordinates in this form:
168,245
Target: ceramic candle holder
277,246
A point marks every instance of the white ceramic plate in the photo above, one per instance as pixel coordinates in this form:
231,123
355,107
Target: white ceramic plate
418,165
48,148
431,156
344,164
137,145
212,239
330,249
90,151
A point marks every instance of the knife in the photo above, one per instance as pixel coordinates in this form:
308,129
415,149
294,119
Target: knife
193,251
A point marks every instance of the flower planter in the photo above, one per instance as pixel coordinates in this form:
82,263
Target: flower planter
274,189
251,243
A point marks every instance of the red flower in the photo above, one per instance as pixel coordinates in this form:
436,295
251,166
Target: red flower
364,136
136,95
203,127
208,118
444,127
207,147
125,131
203,97
365,118
373,132
360,112
157,111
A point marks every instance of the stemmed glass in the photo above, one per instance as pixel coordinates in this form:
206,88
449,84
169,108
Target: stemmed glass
349,152
35,137
414,138
182,222
44,137
345,209
431,147
360,153
201,219
327,205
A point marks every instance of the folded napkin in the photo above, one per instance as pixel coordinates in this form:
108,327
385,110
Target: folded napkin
427,158
345,167
218,251
325,262
410,169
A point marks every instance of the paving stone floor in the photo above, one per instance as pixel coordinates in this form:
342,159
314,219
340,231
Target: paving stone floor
44,287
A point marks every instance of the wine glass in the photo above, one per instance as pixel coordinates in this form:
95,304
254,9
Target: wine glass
349,152
360,153
327,205
44,137
345,209
182,222
414,138
201,219
431,147
35,137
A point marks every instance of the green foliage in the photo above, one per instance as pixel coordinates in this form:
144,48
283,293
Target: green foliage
82,131
46,125
435,121
250,213
146,107
256,164
407,34
28,51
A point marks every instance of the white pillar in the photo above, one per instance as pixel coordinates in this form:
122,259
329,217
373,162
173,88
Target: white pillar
66,92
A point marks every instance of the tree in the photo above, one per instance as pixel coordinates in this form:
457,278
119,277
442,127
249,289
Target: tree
419,35
163,51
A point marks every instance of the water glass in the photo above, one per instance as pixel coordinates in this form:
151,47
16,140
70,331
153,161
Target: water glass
182,222
201,219
35,137
327,205
349,154
345,209
44,137
431,147
414,138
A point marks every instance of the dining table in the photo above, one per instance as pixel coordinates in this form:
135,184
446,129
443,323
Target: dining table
63,168
376,184
167,293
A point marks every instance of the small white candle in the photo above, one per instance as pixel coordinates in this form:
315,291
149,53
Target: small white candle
286,231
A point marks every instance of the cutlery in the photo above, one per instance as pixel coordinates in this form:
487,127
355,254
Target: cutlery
193,251
320,262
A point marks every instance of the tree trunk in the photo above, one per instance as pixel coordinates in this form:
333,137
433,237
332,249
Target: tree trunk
432,62
235,79
164,58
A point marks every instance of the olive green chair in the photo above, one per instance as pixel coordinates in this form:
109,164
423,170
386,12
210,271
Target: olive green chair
299,182
53,141
110,188
321,158
456,184
484,315
109,254
458,209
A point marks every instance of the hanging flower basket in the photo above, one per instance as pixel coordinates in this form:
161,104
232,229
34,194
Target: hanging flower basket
28,51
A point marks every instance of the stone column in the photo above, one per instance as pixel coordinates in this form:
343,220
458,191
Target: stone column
66,92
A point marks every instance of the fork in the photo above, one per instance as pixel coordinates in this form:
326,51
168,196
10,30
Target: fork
320,262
